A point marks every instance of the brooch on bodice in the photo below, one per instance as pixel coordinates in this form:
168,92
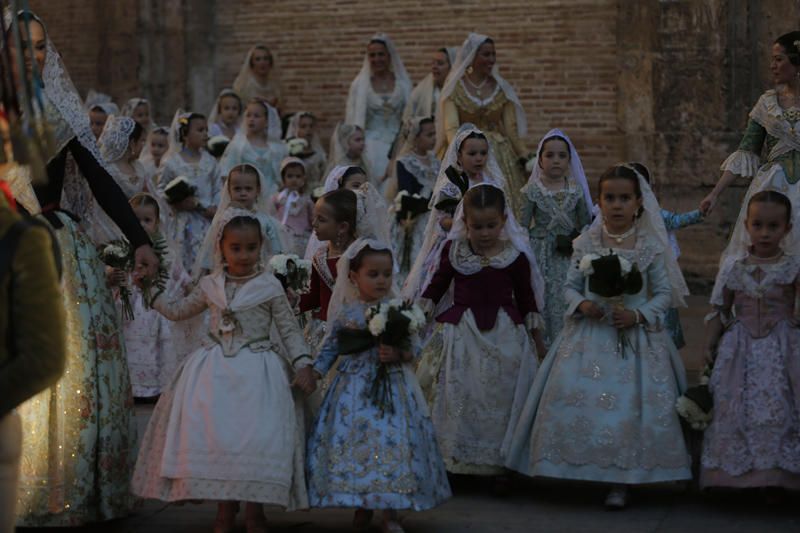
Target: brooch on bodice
228,321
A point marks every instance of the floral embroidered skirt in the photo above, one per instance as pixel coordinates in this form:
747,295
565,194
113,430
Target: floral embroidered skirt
80,435
598,415
475,383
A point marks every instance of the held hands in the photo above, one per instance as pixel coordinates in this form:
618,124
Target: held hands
390,354
305,379
708,204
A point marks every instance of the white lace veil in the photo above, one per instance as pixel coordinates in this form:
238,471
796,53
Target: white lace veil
131,105
174,144
262,207
213,115
576,171
146,158
466,55
101,100
246,78
651,224
215,235
115,138
273,131
356,111
739,245
340,140
294,123
426,261
345,291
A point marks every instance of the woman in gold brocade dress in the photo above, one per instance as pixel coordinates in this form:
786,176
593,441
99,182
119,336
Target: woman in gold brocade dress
475,92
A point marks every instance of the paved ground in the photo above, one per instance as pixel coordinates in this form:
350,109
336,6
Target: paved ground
535,505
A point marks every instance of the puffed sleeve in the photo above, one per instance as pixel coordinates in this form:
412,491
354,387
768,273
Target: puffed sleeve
442,278
181,308
745,160
510,128
654,309
108,195
38,313
289,330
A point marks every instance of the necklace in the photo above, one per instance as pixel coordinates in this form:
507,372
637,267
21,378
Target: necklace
767,259
619,237
478,87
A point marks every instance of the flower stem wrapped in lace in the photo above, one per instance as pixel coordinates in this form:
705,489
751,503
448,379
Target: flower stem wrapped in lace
612,277
391,324
118,254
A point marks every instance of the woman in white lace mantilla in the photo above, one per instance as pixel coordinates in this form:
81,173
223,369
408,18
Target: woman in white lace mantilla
259,77
376,101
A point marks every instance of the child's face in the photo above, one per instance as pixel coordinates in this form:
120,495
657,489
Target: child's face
241,248
148,218
374,277
305,128
243,188
484,225
197,136
472,156
767,226
294,177
426,138
355,144
136,147
354,182
554,159
324,222
229,109
619,204
141,114
255,119
97,120
158,145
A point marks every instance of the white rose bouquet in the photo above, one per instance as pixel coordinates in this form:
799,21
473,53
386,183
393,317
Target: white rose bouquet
390,323
118,254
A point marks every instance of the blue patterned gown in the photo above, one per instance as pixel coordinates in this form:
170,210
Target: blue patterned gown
595,413
361,457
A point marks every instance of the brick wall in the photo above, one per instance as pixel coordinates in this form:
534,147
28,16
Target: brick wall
668,82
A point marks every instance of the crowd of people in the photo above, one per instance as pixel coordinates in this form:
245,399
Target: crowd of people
458,317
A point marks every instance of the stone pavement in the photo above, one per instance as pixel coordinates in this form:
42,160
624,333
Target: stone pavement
535,505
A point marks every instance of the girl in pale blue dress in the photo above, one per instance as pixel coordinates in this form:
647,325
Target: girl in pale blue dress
602,407
556,206
359,454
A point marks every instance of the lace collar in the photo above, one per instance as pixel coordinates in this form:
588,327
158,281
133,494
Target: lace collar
481,103
642,254
782,272
467,262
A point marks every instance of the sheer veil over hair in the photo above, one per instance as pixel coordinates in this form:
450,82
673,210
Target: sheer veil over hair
421,102
262,206
332,182
294,124
345,291
651,224
739,245
464,59
356,111
247,86
213,115
131,105
103,101
340,140
576,171
423,268
215,236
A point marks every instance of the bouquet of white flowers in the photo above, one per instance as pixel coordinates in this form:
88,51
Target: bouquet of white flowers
297,146
696,405
293,272
118,254
390,323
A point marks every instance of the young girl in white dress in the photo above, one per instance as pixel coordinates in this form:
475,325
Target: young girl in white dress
152,157
228,427
258,143
303,125
293,205
602,407
187,159
347,148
